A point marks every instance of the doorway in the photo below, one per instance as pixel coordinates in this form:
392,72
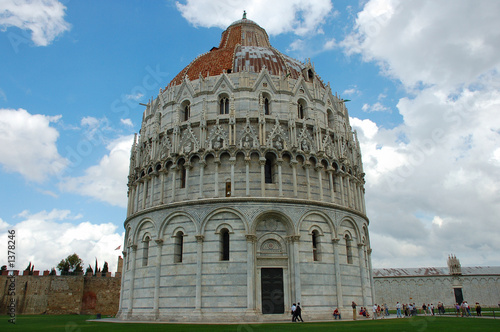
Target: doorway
459,297
272,291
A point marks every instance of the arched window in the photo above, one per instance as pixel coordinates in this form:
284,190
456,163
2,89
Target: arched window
348,248
267,108
224,105
330,118
178,244
182,170
224,244
301,109
185,111
315,245
145,251
268,170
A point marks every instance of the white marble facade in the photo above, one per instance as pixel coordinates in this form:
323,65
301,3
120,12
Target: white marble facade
242,178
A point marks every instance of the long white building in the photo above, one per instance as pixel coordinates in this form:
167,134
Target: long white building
246,193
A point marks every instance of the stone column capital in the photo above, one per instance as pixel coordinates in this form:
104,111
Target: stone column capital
251,237
159,242
133,247
361,245
336,240
200,238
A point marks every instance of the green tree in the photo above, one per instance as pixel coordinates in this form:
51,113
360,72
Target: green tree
30,268
105,269
52,272
89,271
70,265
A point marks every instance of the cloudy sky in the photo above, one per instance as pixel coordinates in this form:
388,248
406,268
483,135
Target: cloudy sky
423,77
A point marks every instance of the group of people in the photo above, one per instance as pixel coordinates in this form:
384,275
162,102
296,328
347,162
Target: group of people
297,313
464,309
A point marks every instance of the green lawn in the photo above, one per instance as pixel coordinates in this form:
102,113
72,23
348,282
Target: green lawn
75,323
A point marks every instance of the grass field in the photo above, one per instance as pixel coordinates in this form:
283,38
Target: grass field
76,323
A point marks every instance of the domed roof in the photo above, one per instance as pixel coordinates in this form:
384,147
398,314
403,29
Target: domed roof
244,46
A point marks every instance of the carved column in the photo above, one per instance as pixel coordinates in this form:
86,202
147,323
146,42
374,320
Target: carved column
370,271
247,176
332,184
362,272
338,277
232,161
319,170
342,198
144,191
348,191
199,266
187,166
294,163
307,165
162,189
216,175
296,262
138,186
152,198
280,178
132,278
262,177
156,310
251,240
174,176
202,170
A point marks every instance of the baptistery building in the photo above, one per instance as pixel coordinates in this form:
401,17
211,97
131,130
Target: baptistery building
245,193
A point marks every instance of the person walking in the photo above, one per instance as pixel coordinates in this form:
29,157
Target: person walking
298,312
353,310
398,310
294,308
374,311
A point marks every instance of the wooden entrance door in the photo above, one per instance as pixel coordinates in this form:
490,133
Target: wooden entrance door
273,301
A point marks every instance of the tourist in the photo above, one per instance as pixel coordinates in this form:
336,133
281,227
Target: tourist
353,310
386,309
457,306
424,309
398,310
467,308
336,313
374,311
294,307
298,312
432,309
478,309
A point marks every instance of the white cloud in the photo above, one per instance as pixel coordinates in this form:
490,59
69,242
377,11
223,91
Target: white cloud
135,97
45,238
377,107
106,181
330,44
127,122
297,16
352,91
432,181
3,95
28,144
416,43
44,18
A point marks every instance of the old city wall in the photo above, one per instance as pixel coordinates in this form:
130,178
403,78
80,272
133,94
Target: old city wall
56,295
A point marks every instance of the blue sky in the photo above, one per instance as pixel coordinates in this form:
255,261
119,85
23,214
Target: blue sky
422,76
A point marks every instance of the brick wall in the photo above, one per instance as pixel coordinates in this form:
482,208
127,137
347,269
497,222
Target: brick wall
58,295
